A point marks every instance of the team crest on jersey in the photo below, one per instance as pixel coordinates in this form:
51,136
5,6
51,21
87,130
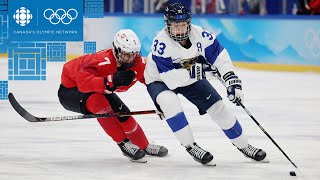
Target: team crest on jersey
184,63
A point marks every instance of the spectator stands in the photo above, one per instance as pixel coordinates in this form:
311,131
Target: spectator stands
243,7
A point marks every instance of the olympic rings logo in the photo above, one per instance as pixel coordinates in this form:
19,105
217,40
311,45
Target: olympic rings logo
312,41
60,15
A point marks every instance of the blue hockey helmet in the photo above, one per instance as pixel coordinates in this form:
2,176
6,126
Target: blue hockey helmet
176,13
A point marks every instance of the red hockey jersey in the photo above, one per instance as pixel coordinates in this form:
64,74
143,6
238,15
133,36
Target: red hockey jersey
88,72
315,6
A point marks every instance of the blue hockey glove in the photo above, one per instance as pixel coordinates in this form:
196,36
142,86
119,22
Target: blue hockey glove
196,71
234,87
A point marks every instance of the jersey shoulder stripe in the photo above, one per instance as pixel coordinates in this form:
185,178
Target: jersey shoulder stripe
163,64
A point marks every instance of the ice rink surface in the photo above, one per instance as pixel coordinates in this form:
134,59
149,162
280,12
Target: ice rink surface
287,105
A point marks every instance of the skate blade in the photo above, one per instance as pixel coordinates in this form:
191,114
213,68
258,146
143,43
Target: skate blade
265,160
138,160
211,163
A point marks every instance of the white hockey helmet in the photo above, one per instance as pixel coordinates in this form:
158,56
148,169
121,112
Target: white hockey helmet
126,45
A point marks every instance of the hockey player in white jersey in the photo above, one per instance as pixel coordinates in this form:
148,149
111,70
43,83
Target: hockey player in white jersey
176,66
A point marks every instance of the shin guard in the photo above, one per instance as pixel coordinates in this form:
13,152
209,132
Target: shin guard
98,104
134,132
112,127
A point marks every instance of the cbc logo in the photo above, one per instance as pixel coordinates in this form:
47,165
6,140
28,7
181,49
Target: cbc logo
22,16
60,15
312,41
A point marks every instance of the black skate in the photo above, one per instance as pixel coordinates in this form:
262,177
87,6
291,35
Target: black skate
156,150
130,150
200,155
254,153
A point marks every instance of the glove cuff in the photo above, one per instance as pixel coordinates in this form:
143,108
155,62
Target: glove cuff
196,71
229,75
232,80
109,84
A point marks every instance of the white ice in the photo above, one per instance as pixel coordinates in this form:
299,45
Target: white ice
286,105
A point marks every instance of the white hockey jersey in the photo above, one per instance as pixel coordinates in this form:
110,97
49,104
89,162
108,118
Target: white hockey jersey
166,56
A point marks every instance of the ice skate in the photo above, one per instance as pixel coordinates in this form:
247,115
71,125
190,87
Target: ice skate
130,150
200,155
254,153
156,150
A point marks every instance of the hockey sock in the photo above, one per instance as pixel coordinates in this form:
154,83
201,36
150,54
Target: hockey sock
98,104
134,132
236,136
112,127
228,123
181,129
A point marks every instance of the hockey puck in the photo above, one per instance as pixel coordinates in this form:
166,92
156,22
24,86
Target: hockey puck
292,173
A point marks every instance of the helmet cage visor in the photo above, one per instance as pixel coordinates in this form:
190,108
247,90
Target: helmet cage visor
124,57
178,30
127,57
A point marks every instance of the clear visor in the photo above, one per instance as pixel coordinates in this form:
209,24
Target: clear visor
127,57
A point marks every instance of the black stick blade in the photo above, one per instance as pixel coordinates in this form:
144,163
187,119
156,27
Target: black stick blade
25,114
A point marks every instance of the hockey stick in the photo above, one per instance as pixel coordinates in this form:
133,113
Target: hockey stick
216,74
31,118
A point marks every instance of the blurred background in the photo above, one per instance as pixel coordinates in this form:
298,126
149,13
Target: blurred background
226,7
260,36
276,35
253,31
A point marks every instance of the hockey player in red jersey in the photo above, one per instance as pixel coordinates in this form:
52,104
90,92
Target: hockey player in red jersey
89,83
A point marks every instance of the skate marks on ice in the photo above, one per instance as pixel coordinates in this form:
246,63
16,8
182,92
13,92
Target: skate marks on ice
81,150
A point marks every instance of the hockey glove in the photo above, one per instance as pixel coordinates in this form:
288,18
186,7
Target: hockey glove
196,71
120,78
234,87
212,69
123,78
